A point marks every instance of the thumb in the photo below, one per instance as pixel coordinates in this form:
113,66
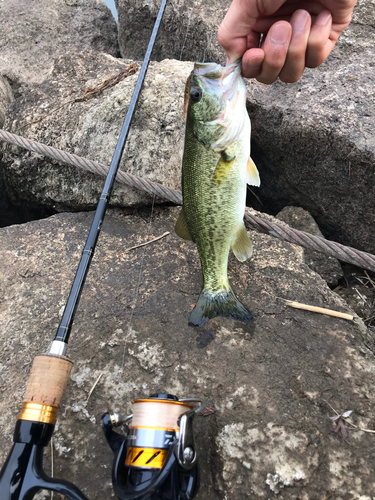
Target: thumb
236,33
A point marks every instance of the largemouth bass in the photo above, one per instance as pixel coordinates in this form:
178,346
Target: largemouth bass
215,170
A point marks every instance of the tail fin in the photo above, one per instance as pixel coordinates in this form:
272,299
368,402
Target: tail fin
219,303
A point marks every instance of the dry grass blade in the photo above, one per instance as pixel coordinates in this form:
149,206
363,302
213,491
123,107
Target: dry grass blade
360,295
370,280
93,387
148,242
209,410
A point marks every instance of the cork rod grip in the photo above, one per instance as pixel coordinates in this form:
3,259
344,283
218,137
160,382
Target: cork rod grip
45,389
48,378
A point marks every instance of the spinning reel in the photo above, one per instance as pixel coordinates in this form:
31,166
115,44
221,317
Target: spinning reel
157,459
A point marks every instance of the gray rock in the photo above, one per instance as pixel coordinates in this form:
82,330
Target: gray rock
33,34
54,113
270,382
188,30
6,97
327,267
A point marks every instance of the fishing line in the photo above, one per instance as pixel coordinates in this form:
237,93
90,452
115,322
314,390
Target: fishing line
138,284
190,15
186,35
158,454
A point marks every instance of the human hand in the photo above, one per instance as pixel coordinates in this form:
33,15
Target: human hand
297,34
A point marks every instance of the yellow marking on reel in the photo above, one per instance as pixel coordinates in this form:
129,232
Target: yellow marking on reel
146,457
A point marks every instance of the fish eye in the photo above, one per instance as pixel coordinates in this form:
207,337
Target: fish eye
196,94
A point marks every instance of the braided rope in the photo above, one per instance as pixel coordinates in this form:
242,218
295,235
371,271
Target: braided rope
93,166
361,259
283,232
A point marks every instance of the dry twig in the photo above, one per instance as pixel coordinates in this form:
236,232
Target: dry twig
370,280
91,92
147,242
321,310
93,387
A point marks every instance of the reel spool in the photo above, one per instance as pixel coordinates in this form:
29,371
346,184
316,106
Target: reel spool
157,458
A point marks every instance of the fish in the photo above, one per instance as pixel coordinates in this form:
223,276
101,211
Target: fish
216,169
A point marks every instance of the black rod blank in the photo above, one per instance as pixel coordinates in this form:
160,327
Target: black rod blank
63,331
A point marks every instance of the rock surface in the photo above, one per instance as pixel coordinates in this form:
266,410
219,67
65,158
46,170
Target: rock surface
33,34
327,267
270,382
6,97
188,30
55,113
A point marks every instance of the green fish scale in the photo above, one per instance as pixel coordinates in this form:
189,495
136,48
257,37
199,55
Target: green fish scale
211,211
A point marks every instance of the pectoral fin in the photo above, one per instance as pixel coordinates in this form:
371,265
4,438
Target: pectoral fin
252,174
181,227
242,247
223,168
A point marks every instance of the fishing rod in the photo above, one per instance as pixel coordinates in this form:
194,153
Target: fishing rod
171,470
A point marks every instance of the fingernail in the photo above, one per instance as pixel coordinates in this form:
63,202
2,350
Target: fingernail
299,22
279,34
323,18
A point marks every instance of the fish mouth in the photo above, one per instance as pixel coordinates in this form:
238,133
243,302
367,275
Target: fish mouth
214,70
223,80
